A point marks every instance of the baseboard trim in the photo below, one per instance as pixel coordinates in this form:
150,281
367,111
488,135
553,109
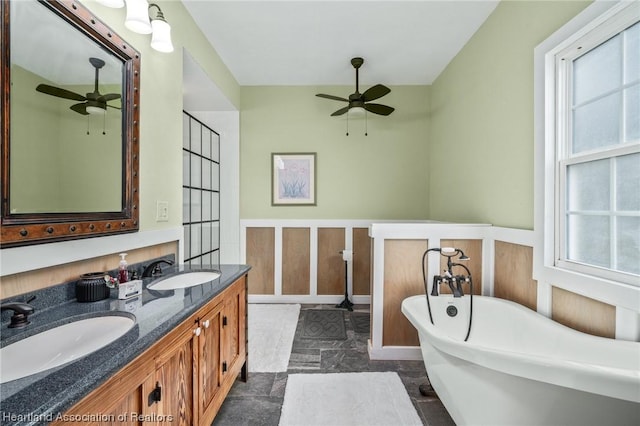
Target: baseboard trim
396,353
306,299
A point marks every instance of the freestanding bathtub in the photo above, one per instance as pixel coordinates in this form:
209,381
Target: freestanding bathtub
521,368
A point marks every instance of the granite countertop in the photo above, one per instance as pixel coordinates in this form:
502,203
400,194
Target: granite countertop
40,398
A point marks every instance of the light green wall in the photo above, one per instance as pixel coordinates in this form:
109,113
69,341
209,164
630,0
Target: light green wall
481,120
379,176
161,105
34,182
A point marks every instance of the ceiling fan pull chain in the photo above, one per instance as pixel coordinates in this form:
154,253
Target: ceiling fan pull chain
104,123
88,123
366,127
347,123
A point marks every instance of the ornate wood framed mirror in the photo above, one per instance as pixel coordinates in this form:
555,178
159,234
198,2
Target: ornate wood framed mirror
70,125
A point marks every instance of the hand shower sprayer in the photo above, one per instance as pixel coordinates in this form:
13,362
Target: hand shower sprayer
448,277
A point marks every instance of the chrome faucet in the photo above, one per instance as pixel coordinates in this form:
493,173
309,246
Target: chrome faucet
21,312
154,269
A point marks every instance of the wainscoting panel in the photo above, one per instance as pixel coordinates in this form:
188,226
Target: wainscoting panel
472,249
299,261
260,254
513,269
361,261
330,263
402,278
296,254
583,313
387,268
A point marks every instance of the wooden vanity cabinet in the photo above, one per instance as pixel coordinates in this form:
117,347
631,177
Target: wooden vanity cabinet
183,378
222,350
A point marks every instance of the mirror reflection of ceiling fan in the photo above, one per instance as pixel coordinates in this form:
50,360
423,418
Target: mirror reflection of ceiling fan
92,103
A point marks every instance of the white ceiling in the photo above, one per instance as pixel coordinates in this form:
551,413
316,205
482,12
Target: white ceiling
312,42
36,46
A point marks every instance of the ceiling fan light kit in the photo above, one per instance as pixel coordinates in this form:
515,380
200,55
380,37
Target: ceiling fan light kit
139,21
357,111
95,108
359,103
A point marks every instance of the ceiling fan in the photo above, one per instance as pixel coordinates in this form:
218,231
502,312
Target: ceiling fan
362,100
92,102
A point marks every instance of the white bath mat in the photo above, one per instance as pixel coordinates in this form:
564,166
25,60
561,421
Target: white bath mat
367,399
271,331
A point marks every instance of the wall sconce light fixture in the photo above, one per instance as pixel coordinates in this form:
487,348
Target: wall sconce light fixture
161,32
139,21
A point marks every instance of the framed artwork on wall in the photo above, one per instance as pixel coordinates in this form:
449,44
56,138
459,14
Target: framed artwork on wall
293,179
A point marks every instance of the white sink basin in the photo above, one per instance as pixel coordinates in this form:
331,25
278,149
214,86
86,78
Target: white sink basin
188,279
60,345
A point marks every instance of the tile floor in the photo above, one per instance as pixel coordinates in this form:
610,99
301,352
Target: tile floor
258,402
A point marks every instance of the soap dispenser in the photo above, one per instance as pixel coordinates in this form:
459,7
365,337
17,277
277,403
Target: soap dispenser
123,273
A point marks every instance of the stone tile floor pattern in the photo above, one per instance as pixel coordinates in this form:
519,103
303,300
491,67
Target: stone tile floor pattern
259,401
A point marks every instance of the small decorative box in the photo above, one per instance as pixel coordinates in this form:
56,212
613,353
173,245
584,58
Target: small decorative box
129,289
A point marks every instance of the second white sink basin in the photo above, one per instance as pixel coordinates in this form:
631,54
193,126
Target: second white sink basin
59,345
187,279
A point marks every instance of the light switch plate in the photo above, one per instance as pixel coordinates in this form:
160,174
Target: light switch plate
162,211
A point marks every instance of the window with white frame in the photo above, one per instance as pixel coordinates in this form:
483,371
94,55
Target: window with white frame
597,150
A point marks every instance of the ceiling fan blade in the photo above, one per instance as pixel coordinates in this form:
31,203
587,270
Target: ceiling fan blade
334,98
375,92
379,109
340,111
109,97
61,93
80,108
114,107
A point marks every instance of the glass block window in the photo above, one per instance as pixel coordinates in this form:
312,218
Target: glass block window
200,192
598,152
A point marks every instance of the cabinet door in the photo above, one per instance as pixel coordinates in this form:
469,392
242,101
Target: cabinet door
120,401
233,329
209,363
128,411
172,395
